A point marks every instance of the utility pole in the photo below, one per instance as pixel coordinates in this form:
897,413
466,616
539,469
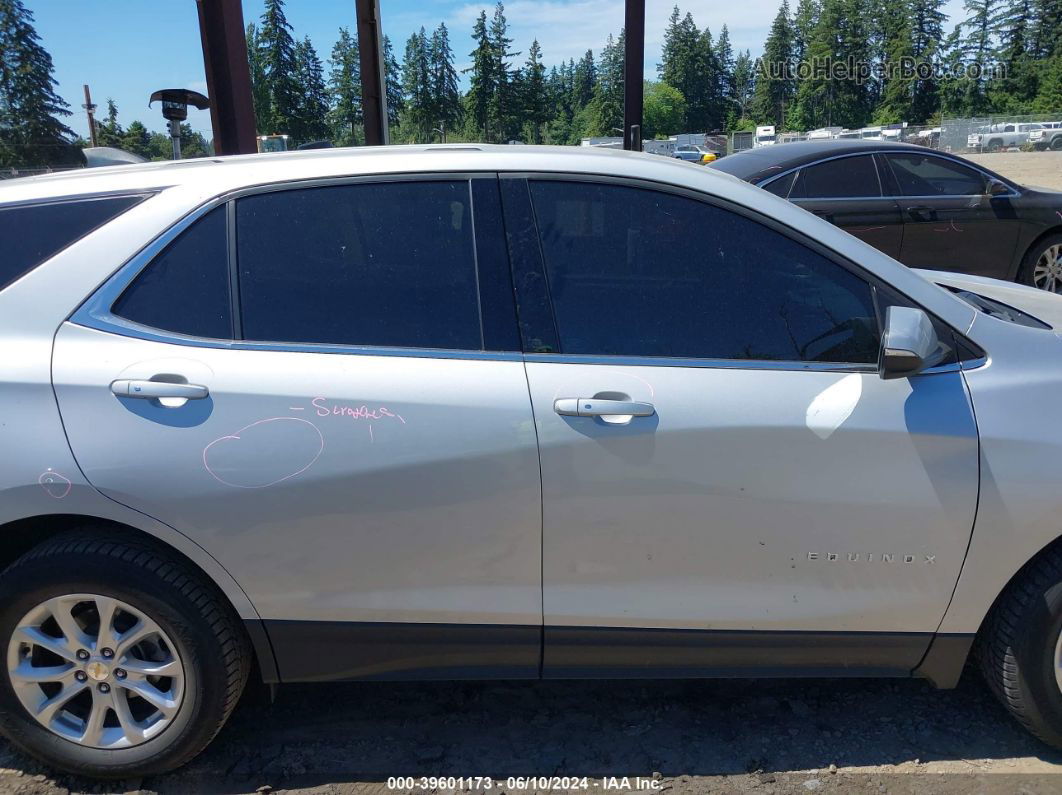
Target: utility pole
633,65
90,111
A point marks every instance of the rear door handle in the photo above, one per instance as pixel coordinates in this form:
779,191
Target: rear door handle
157,389
597,407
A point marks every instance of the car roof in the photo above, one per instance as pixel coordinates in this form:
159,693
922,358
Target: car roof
215,175
753,165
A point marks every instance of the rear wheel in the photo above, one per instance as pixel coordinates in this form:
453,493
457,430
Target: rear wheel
119,662
1042,267
1021,648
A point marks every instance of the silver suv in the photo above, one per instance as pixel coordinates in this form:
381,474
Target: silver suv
451,412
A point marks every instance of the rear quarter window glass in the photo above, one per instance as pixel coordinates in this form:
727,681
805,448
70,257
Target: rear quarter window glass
33,233
185,289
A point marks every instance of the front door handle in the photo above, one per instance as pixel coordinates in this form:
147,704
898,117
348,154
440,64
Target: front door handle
147,390
598,407
920,213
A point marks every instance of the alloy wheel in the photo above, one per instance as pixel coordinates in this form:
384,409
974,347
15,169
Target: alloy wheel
1047,272
96,671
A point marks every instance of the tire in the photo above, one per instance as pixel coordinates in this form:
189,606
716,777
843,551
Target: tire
1018,648
995,146
1056,143
1028,275
199,638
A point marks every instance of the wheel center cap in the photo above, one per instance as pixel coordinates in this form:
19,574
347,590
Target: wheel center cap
98,671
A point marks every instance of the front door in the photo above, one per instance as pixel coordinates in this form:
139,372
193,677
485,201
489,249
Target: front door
728,485
950,223
351,436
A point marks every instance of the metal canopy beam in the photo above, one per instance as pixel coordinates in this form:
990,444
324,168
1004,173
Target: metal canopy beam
373,78
633,71
228,76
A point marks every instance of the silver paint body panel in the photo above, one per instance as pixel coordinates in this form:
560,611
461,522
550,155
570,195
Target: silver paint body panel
703,516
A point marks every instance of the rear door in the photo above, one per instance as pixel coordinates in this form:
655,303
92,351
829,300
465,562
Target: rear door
322,387
846,191
728,485
950,223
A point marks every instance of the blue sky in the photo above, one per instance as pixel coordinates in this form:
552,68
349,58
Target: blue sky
126,49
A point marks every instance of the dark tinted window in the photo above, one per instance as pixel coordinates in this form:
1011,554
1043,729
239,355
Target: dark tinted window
843,178
781,186
33,233
926,175
186,288
643,273
368,264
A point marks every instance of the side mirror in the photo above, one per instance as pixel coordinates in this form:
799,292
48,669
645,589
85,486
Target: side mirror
909,344
996,187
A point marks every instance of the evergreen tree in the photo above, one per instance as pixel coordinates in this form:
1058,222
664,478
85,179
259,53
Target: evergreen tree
1049,99
313,106
504,103
344,86
31,133
585,80
690,63
774,78
927,35
396,102
137,140
416,85
482,83
1016,88
536,112
898,78
724,58
604,114
1045,37
978,47
744,86
277,48
804,19
259,83
446,95
109,132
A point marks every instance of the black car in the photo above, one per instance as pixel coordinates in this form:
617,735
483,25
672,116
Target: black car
927,209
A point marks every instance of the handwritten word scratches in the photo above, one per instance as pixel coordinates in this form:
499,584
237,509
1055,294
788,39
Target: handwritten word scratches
326,409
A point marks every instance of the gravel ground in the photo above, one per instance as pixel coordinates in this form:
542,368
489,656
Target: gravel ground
1043,169
693,736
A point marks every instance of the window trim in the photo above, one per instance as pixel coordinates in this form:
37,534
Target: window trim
96,312
796,235
800,174
929,153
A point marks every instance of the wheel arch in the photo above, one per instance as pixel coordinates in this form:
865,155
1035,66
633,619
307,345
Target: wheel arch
949,653
1030,247
19,536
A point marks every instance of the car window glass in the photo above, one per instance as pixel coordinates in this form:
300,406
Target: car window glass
185,289
33,233
926,175
781,186
384,264
841,178
644,273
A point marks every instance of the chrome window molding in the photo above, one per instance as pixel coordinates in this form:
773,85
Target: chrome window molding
929,153
719,364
